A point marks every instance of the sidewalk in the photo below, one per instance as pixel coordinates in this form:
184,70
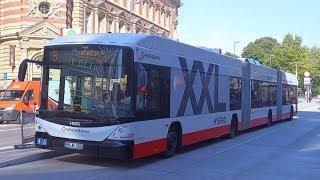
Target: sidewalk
11,156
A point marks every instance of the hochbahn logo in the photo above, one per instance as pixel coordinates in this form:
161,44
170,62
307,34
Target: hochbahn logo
189,77
74,130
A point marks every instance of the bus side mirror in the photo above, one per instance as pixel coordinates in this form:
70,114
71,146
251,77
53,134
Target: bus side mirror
23,70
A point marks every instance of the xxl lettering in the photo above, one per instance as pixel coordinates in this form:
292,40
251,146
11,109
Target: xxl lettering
189,92
189,77
218,107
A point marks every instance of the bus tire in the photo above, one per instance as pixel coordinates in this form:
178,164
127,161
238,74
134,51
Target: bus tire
269,118
1,122
233,128
173,139
291,114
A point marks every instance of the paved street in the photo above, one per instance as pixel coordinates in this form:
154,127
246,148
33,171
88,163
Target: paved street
9,135
288,150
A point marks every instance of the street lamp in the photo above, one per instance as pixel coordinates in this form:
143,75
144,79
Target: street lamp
234,48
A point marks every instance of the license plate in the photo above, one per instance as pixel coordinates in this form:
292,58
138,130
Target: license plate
42,141
72,145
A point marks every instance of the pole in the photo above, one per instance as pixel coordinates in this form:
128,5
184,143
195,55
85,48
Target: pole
21,122
296,69
234,48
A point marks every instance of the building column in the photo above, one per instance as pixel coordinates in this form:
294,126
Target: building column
116,24
95,20
133,28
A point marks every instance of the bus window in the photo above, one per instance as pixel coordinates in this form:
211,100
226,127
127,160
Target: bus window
152,91
256,101
235,93
148,84
273,94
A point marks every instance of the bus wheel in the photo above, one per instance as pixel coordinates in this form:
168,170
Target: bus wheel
291,114
1,122
269,118
172,141
233,128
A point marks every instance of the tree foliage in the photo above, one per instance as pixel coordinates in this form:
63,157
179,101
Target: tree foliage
261,49
288,55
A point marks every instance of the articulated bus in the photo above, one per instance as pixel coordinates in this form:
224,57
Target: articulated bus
135,95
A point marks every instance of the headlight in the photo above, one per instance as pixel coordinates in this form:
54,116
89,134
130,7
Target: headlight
9,108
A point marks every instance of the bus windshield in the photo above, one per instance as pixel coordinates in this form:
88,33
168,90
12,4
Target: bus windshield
87,80
11,95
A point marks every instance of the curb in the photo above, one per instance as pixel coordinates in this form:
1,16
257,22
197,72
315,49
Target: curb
29,158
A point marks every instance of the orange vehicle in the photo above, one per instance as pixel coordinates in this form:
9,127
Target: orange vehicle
19,97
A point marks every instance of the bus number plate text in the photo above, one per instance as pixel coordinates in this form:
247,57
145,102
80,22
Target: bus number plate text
76,146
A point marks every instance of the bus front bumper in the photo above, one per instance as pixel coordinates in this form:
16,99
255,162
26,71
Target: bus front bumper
114,149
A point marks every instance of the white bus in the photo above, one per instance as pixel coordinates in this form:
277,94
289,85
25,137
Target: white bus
135,95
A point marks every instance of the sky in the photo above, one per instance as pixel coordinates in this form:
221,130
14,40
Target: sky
220,23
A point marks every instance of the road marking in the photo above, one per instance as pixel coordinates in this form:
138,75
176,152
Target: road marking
15,129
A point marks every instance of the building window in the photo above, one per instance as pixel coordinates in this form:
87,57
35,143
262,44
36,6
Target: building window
44,7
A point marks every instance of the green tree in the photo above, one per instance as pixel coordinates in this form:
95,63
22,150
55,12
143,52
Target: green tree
291,54
314,57
261,49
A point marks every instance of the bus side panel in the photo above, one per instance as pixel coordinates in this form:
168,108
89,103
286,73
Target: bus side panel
286,111
260,115
150,136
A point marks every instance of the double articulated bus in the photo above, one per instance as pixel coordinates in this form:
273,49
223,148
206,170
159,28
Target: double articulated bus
134,95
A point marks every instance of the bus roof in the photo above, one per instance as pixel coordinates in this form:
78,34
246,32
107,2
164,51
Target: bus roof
148,41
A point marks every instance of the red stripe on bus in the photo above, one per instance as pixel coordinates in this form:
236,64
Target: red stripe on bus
258,122
149,148
274,118
285,115
203,135
159,145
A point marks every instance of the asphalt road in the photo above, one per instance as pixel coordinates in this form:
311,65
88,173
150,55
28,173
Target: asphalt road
10,134
287,150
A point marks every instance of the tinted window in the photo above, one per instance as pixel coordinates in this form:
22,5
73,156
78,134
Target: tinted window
235,93
148,87
152,91
263,94
289,94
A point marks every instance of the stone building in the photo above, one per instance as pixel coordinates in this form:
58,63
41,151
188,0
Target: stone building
26,25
